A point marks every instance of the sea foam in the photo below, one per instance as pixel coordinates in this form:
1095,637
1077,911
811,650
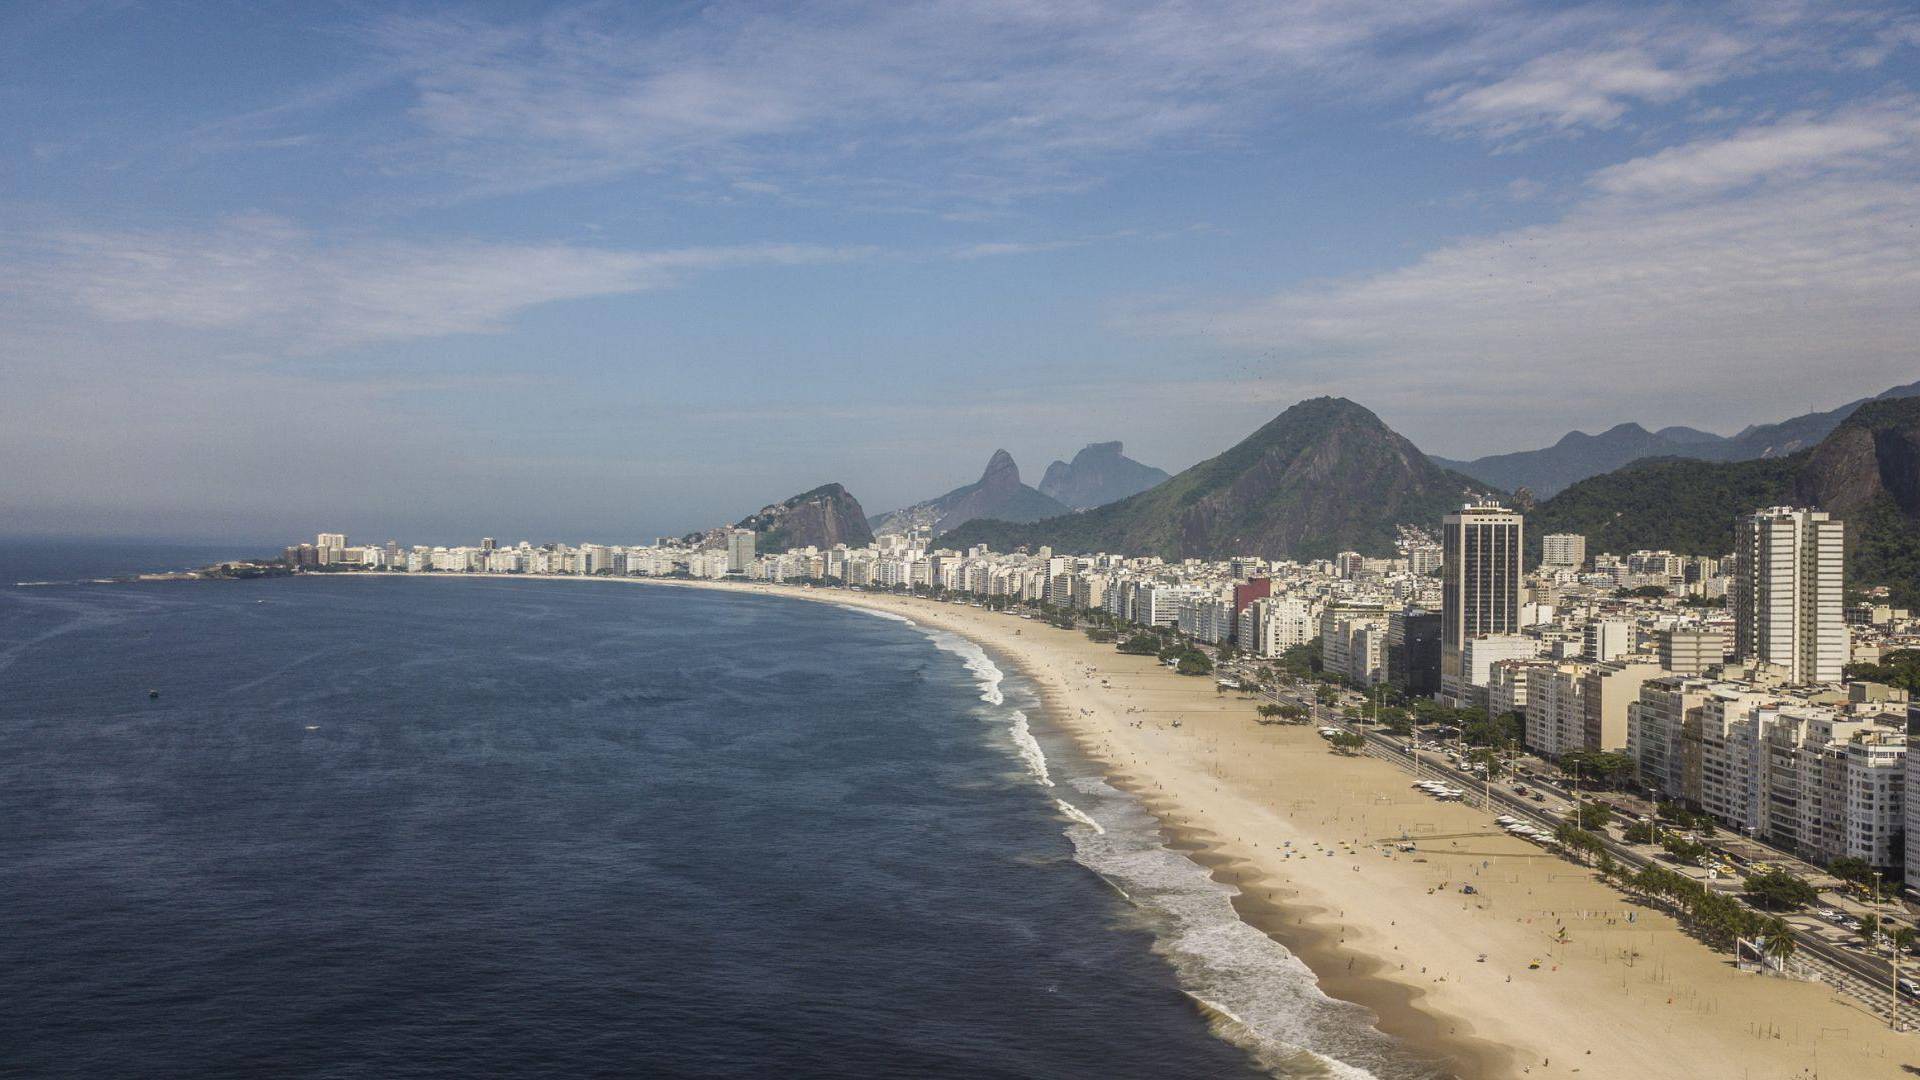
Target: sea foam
1255,992
1029,748
1079,815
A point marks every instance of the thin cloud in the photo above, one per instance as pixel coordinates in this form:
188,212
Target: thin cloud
994,102
1576,89
1637,302
260,277
1861,137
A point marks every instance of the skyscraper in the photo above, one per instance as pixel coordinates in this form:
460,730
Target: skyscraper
739,550
1480,583
1790,569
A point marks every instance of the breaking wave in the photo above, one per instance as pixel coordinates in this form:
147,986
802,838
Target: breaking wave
1076,814
1253,992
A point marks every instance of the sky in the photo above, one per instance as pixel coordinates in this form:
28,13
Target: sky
609,271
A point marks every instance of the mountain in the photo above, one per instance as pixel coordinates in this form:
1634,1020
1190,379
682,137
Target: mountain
823,517
1686,436
1547,471
1866,471
1575,457
1788,436
997,494
1099,474
1323,477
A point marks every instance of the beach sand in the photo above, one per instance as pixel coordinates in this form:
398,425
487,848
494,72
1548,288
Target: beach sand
1619,990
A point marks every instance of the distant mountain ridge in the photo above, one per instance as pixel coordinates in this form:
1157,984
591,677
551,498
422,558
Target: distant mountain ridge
1099,474
997,494
823,517
1577,456
1325,476
1866,471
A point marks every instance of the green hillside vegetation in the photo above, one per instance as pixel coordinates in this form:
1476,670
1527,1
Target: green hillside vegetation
1866,473
1679,504
1325,476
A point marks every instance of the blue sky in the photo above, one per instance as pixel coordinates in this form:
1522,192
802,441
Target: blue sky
613,270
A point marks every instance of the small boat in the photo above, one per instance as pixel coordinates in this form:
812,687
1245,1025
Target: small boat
152,695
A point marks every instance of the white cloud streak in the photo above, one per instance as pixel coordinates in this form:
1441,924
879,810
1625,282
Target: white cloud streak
986,100
1856,139
261,279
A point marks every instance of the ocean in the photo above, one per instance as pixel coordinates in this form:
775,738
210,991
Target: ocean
453,828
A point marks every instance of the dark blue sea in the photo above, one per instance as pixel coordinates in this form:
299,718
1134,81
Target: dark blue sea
454,828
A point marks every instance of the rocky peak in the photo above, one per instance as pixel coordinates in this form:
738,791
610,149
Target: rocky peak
1001,471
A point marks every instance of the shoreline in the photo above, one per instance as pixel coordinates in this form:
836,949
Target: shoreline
1300,928
1542,971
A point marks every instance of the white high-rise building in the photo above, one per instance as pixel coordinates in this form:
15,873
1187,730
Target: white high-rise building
1480,584
1790,572
1565,550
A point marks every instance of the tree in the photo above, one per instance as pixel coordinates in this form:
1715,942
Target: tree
1593,816
1502,730
1573,765
1851,868
1610,765
1291,714
1140,645
1302,660
1778,942
1581,843
1870,929
1347,742
1194,662
1777,890
1489,757
1640,832
1900,668
1606,865
1684,850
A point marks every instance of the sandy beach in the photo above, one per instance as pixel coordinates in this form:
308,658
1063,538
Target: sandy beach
1541,971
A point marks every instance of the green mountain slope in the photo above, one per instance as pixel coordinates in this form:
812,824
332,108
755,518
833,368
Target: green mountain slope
1549,470
823,517
1323,477
1866,472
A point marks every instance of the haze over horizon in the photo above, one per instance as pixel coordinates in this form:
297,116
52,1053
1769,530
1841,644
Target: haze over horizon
567,271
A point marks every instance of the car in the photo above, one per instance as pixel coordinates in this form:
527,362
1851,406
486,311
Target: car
1537,797
1519,789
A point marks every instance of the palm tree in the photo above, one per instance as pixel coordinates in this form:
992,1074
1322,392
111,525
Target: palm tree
1902,939
1778,942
